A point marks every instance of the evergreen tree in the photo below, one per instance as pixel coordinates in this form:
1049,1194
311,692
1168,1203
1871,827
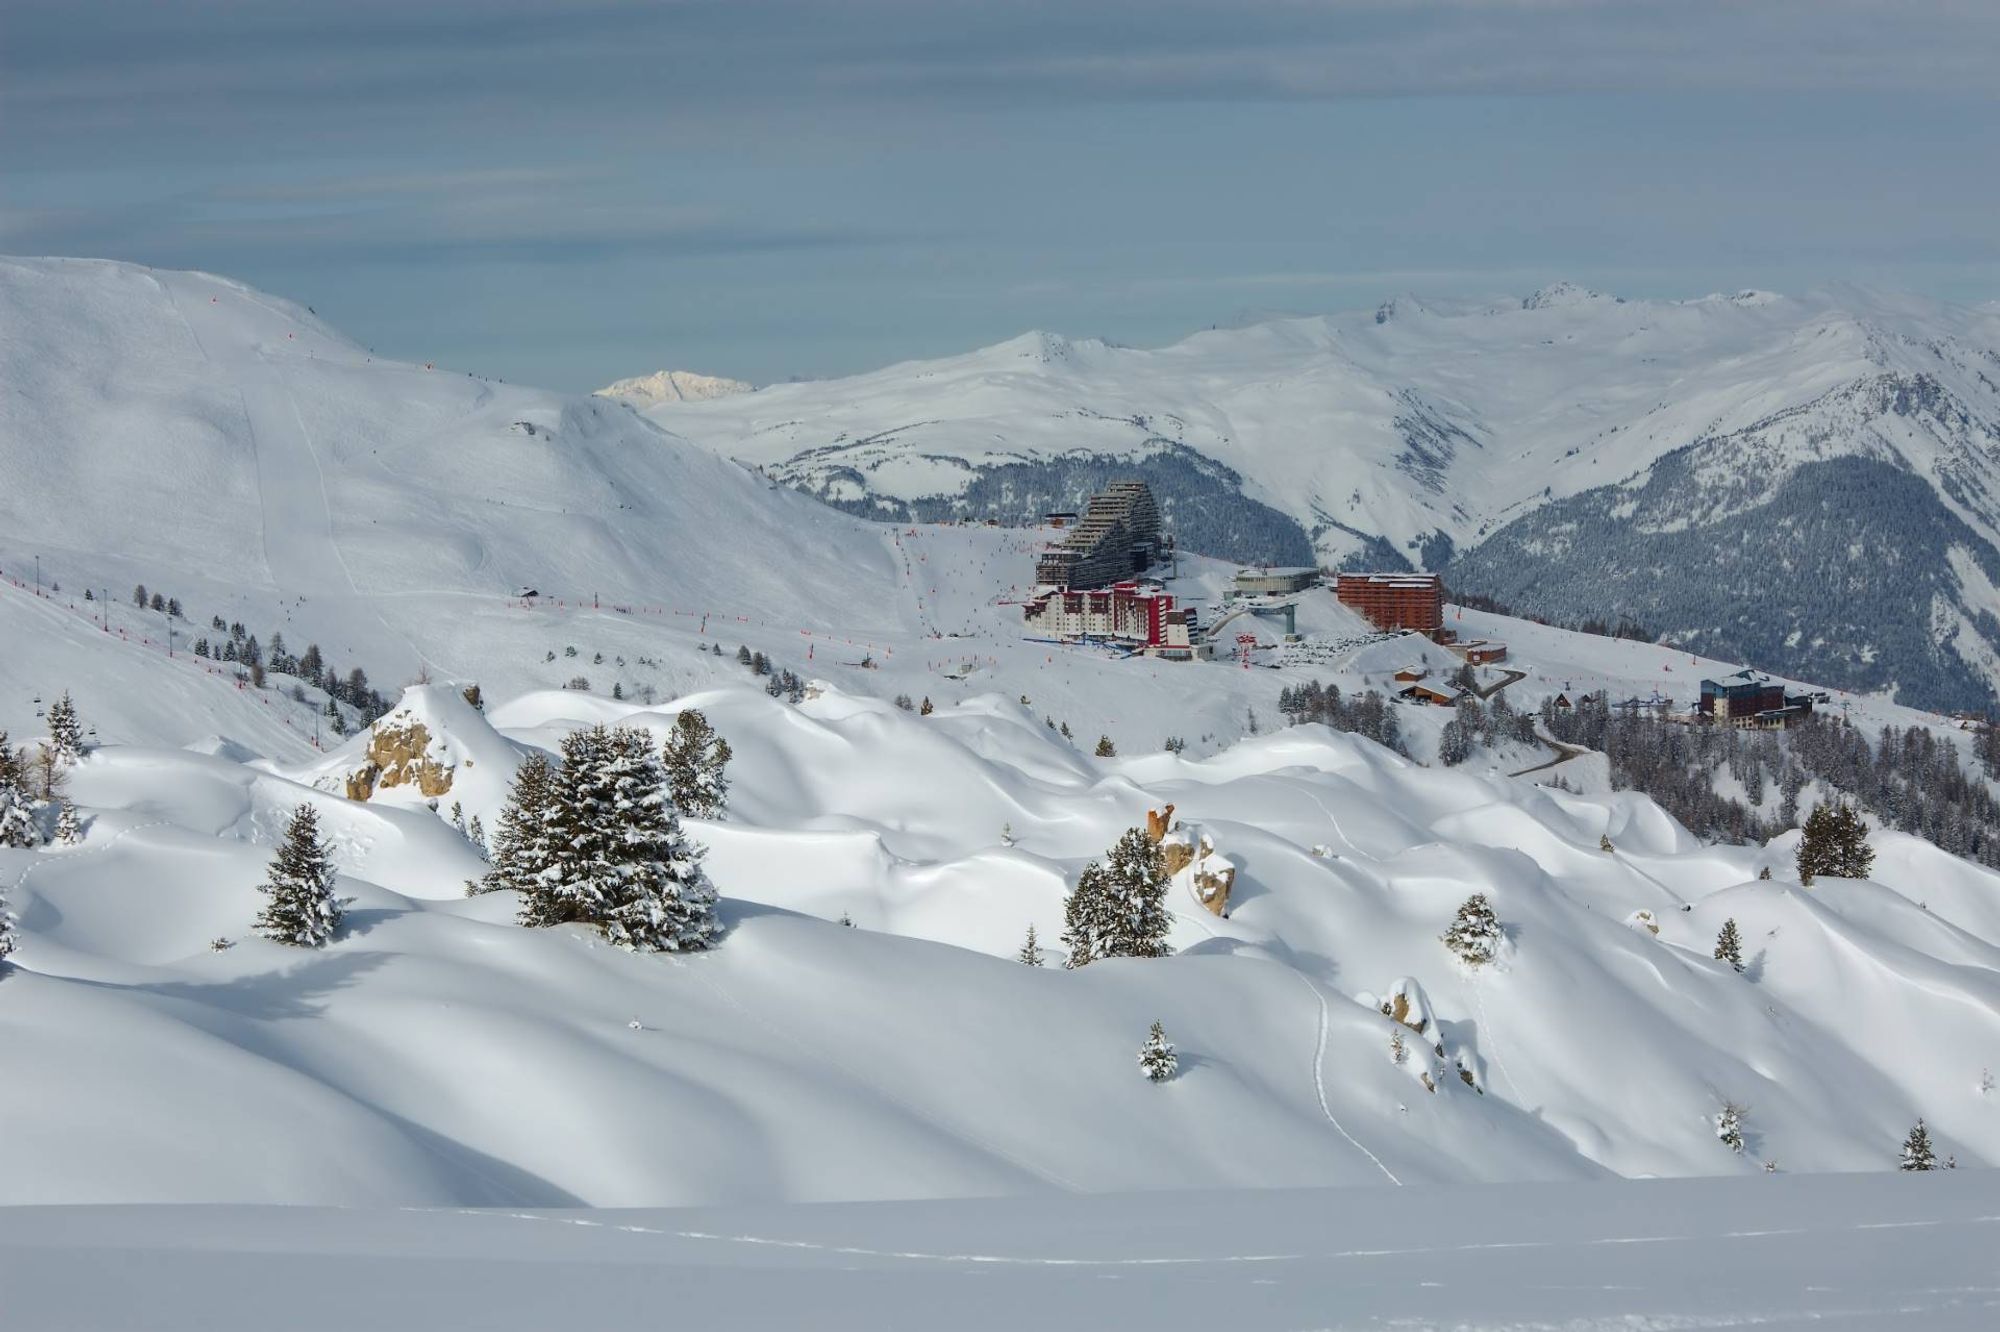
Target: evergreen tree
139,596
619,858
695,758
174,608
302,910
1604,843
475,832
1118,909
1917,1153
65,731
1105,749
742,656
1066,732
1157,1059
925,709
18,828
69,831
1835,842
1454,744
1729,945
1764,873
159,603
1031,950
1475,935
521,846
6,931
1729,1125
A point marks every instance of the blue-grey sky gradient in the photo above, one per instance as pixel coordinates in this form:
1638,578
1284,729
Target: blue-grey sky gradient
564,193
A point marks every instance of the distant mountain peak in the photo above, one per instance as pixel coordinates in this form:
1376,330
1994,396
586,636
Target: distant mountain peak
1564,293
672,386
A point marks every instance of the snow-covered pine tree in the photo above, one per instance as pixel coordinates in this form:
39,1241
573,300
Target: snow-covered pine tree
1007,834
6,930
475,833
1157,1059
1118,909
1604,843
521,845
69,829
1729,945
1105,749
1729,1125
18,828
695,757
65,731
620,859
302,910
1917,1154
1031,950
1475,935
925,709
1764,873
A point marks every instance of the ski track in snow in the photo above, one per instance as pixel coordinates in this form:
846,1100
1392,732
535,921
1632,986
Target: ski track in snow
46,857
291,483
1319,1082
1492,1041
1204,1260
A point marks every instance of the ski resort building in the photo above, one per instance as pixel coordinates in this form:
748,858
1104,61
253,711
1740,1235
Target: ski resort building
1396,601
1128,613
1117,536
1274,582
1748,699
1478,652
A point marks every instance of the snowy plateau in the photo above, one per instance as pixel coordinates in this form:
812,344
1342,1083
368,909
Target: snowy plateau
859,1109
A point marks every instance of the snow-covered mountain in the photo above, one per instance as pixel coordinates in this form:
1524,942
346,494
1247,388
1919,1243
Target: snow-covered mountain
672,386
229,451
1529,448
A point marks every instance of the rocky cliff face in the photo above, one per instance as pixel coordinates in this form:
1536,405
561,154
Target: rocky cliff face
401,752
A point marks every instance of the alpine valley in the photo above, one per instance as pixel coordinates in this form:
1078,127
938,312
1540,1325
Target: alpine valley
1809,484
1427,1016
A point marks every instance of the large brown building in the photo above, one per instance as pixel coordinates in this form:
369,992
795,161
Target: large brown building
1395,601
1118,536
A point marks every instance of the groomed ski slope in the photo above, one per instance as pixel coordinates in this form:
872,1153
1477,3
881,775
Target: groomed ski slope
439,1055
1854,1251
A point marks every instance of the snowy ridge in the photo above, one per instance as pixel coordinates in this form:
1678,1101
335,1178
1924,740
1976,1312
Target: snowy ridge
444,1039
664,386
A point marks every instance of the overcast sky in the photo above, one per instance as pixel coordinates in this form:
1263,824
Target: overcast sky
566,193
